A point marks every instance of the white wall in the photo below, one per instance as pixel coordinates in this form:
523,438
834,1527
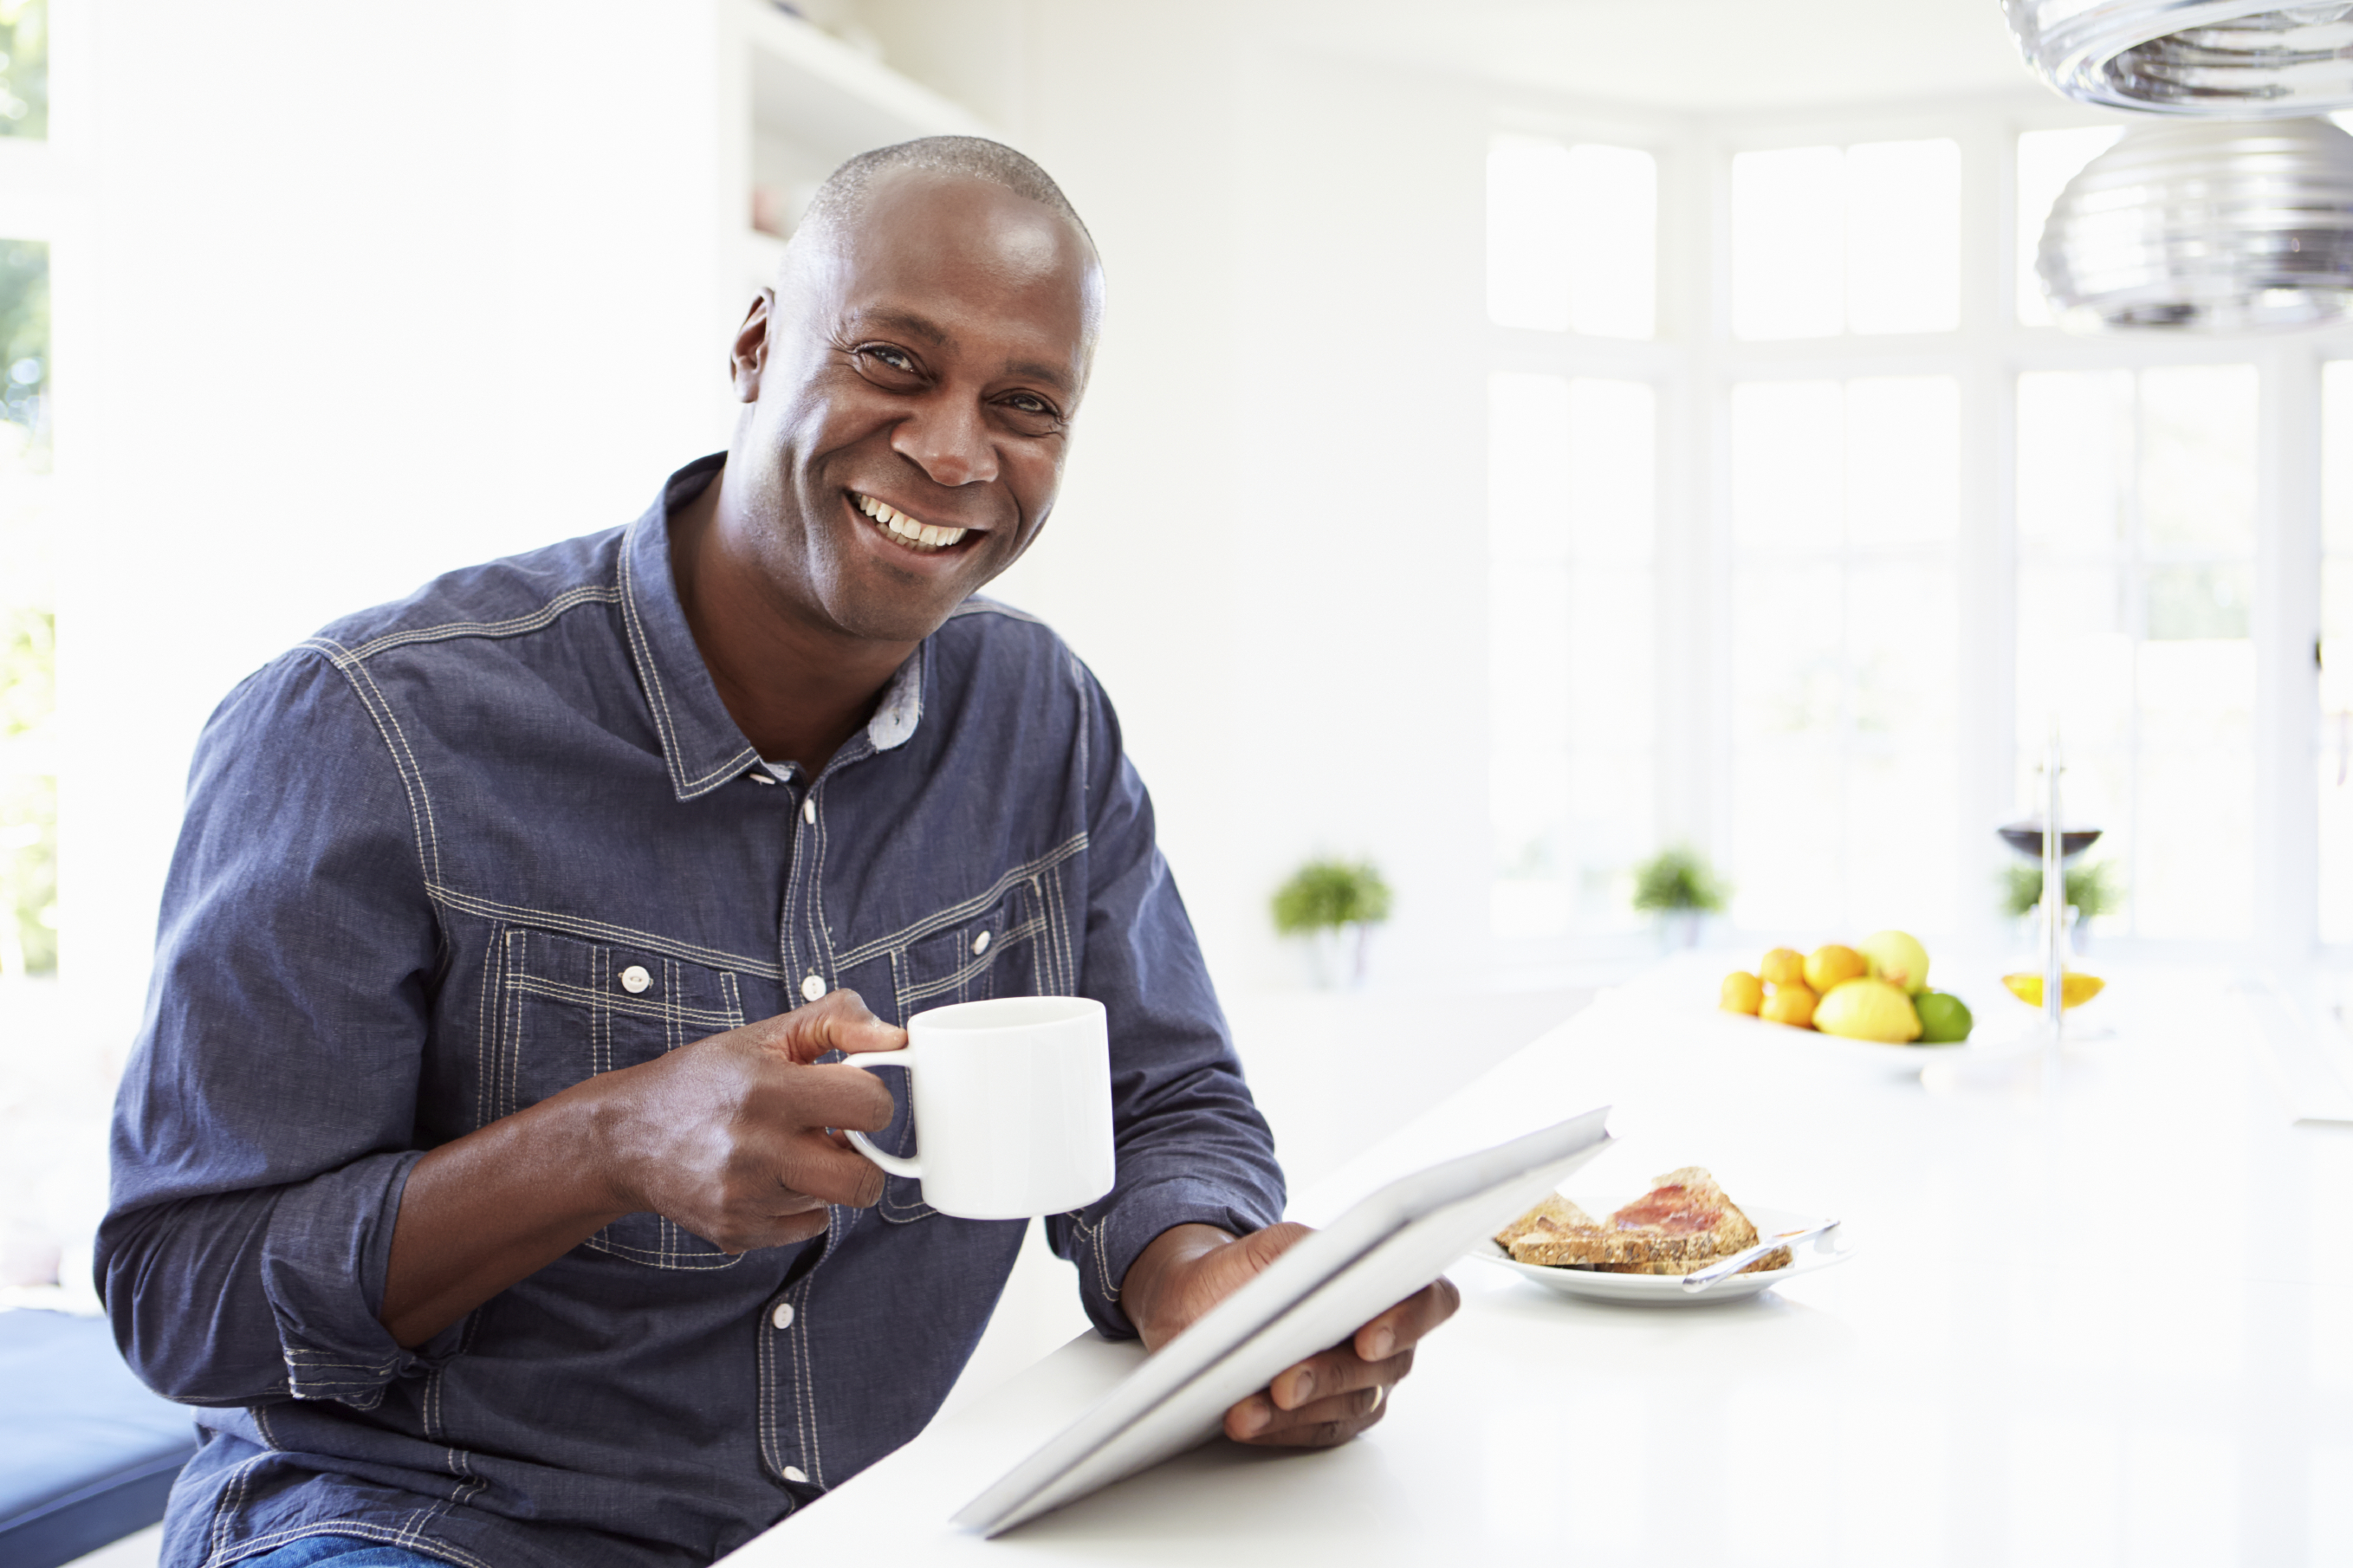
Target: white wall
1271,544
365,297
357,294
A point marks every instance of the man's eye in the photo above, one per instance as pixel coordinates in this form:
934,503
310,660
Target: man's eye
896,359
1028,405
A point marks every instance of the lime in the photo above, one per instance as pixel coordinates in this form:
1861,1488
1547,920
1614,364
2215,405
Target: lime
1944,1017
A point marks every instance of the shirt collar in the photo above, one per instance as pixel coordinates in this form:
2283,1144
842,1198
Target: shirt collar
700,740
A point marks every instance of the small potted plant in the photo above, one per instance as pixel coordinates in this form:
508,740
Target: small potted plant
1678,886
2093,891
1322,902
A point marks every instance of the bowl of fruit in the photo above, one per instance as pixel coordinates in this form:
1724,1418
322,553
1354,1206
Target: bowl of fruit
1876,990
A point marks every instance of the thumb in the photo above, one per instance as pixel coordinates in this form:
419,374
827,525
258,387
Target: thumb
839,1021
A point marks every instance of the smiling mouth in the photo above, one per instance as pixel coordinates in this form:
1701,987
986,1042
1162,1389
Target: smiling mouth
922,538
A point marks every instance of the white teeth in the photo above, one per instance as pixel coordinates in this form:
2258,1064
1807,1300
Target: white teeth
899,525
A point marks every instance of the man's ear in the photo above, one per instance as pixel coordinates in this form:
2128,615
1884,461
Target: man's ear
749,355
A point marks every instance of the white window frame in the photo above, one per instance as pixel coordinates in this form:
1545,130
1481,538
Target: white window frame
1696,360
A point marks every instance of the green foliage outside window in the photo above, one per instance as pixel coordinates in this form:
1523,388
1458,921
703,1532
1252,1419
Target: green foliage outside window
24,330
28,799
25,69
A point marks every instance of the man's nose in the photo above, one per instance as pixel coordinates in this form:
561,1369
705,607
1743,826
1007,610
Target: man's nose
950,443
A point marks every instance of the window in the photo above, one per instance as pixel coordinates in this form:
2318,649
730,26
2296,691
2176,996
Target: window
28,786
1570,552
1572,237
1862,239
2136,587
1843,622
2336,654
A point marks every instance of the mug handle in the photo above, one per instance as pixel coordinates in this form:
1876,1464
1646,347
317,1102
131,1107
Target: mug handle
903,1057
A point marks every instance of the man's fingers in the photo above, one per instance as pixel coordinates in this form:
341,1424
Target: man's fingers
1404,1324
837,1021
1335,1372
837,1095
1319,1423
814,1165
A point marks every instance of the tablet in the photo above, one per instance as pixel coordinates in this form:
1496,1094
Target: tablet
1312,1298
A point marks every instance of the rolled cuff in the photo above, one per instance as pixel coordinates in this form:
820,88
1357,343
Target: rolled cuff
1105,1241
324,1260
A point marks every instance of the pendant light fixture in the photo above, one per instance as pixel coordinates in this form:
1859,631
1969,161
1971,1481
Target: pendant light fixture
2206,226
2239,58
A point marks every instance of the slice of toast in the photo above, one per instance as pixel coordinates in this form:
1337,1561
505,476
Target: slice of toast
1555,1214
1684,1223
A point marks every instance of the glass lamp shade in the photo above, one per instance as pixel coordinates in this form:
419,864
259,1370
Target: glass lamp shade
2206,227
2240,58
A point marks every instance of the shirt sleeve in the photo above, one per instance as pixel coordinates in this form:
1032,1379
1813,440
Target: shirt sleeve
266,1120
1191,1146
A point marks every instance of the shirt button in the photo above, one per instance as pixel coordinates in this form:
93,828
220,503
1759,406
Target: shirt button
980,945
796,1475
783,1316
635,979
812,988
808,811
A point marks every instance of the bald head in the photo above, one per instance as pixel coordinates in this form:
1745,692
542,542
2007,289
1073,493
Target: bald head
847,191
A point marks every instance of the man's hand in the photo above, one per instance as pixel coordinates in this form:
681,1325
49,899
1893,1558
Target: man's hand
729,1136
1325,1399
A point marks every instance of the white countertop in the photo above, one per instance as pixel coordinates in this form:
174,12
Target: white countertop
2108,1324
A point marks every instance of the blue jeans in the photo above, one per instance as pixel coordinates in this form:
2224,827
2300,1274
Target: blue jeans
343,1552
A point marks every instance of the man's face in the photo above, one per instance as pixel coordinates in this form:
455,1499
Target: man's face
921,369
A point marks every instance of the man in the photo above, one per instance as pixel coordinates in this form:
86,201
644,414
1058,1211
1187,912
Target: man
475,1169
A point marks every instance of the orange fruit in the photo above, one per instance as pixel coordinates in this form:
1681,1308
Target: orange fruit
1783,966
1743,993
1828,966
1793,1005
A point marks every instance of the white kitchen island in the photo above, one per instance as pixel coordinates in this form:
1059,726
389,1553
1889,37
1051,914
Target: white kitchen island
2107,1324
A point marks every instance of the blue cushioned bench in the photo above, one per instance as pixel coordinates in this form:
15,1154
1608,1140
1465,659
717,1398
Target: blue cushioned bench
87,1454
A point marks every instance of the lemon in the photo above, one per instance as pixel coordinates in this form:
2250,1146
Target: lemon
1944,1017
1783,966
1793,1005
2074,989
1868,1010
1828,966
1743,993
1897,958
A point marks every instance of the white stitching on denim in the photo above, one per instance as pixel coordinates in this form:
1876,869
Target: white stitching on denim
490,953
511,1061
404,757
1002,942
574,925
686,1262
430,1547
643,650
420,813
734,996
956,914
600,1016
1058,924
1092,1241
515,626
232,1499
670,1016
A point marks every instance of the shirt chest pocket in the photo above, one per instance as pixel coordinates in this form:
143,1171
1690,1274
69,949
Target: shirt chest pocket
1014,947
568,1010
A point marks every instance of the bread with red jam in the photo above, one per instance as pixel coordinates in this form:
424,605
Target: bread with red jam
1684,1222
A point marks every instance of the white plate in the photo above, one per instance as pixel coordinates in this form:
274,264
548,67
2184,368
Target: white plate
1667,1290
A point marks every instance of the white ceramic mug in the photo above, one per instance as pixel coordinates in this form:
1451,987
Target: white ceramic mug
1012,1101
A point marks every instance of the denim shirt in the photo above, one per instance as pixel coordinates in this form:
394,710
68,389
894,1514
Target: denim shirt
453,855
